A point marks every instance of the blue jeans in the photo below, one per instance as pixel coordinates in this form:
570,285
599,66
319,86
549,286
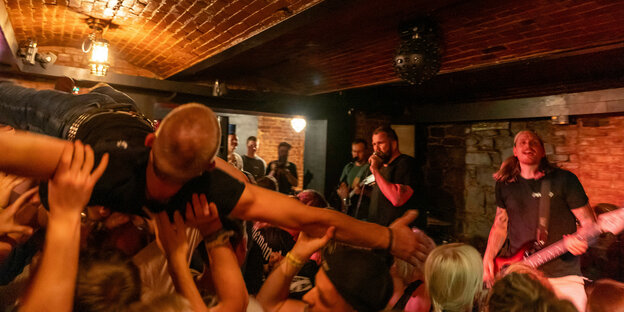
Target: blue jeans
52,112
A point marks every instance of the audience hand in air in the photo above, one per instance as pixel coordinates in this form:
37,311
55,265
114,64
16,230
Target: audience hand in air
203,215
171,237
307,245
8,223
7,183
70,188
411,245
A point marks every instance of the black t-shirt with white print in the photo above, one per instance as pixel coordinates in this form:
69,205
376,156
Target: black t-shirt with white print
521,200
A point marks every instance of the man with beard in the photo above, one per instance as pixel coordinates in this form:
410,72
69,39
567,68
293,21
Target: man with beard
397,181
523,180
353,173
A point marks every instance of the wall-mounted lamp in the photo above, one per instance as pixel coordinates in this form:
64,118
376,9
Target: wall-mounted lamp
30,55
298,124
97,48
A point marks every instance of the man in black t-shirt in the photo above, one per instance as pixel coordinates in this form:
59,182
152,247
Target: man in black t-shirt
518,194
162,170
397,182
283,170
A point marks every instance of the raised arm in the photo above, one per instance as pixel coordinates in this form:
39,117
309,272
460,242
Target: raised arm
225,271
274,292
397,194
263,205
53,285
30,155
497,237
229,169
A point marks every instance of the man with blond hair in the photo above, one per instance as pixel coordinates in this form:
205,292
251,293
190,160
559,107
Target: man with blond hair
162,170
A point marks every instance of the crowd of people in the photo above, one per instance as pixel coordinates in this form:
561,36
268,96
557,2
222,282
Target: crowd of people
101,211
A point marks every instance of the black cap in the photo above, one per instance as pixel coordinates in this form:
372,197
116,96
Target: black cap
361,276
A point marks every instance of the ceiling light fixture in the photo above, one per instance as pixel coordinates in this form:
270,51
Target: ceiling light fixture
298,124
97,48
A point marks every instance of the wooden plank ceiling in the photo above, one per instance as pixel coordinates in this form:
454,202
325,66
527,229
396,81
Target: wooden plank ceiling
344,44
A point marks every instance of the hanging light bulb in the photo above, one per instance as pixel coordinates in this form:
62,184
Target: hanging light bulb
97,48
298,124
98,59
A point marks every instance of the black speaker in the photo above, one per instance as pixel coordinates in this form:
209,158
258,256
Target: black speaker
418,57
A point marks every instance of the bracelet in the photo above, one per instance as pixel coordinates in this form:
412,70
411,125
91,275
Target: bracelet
220,238
297,263
390,240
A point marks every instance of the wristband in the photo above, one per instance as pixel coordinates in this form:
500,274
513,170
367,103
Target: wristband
297,263
219,238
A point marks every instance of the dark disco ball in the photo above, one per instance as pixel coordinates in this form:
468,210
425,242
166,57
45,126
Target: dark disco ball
418,56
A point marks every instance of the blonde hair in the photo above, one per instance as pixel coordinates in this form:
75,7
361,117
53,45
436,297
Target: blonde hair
533,273
454,277
188,139
510,168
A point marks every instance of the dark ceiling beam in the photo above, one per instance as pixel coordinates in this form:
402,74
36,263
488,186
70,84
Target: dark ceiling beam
301,19
582,103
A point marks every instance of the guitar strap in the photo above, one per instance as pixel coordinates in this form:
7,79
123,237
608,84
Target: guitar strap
544,213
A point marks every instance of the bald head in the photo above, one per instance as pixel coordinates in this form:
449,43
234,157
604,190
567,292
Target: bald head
187,140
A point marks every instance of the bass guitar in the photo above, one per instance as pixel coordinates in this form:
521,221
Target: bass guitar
611,222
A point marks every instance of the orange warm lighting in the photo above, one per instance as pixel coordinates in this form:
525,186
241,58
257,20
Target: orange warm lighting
98,58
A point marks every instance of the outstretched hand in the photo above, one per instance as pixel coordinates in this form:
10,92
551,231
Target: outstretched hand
306,245
7,216
411,245
7,183
70,188
202,215
171,237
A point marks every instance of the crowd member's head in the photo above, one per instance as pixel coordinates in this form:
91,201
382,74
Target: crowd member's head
107,281
520,292
268,182
183,147
351,280
232,138
165,303
312,198
605,295
282,151
280,242
385,143
528,150
521,268
252,145
358,150
454,277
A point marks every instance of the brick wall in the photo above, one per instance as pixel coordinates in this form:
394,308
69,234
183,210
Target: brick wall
366,123
272,131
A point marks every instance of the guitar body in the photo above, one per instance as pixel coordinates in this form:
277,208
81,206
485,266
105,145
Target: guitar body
612,222
501,263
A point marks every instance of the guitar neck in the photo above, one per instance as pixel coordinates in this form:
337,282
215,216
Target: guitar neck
557,249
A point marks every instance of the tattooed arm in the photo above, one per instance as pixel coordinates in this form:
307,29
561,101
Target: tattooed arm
497,237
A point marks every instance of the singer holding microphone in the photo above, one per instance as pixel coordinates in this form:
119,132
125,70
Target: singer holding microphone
398,186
